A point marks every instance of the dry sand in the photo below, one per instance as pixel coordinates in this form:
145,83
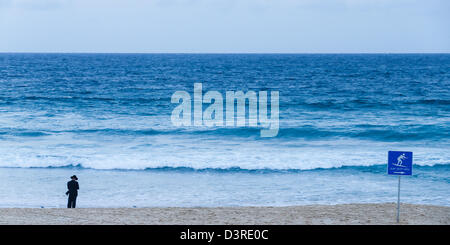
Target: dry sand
294,215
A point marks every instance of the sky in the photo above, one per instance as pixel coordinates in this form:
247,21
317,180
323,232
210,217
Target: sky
225,26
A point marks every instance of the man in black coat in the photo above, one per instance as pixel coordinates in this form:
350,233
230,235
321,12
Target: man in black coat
72,192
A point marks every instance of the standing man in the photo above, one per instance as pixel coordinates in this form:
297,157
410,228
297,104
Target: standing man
72,192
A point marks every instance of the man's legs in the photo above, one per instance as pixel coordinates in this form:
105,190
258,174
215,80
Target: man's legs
72,201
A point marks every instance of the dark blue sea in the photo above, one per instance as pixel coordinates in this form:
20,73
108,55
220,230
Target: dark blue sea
107,118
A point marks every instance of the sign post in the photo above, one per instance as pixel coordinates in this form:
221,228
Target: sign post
398,201
399,163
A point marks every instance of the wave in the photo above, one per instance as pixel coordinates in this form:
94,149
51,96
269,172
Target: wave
353,104
76,99
204,153
370,168
107,131
433,102
360,131
359,103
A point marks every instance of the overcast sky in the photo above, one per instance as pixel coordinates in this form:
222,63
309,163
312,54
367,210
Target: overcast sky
224,26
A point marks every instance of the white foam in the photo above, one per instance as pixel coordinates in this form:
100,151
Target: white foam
163,151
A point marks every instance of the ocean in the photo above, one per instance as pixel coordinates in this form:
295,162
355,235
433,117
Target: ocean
107,119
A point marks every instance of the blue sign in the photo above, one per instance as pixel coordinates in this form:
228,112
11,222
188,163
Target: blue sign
400,162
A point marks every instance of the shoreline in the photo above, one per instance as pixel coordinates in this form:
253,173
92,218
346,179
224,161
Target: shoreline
341,214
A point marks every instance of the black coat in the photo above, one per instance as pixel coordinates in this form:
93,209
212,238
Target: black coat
73,187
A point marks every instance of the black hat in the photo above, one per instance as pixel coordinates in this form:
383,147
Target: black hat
74,177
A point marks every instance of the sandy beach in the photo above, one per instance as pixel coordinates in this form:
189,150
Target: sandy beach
352,214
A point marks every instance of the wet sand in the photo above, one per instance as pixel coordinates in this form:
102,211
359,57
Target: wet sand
352,214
